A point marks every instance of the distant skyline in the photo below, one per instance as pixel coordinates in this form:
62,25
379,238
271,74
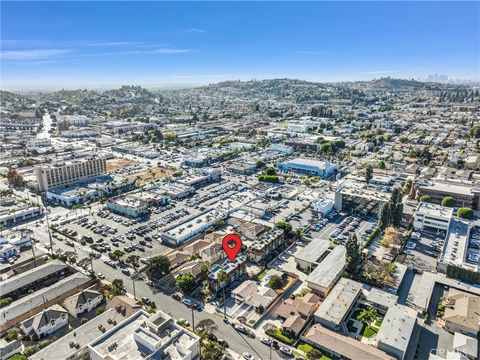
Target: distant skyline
104,44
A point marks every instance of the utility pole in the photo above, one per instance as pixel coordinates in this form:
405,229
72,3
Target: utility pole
134,294
44,195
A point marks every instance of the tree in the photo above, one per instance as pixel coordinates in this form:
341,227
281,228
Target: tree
286,227
352,254
465,213
275,282
381,165
425,198
204,268
158,266
222,276
185,282
396,207
116,255
18,357
384,219
314,354
14,178
270,171
212,351
117,287
5,301
368,315
207,324
448,201
133,260
368,173
12,334
259,164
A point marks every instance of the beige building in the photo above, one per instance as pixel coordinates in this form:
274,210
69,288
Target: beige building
462,315
62,174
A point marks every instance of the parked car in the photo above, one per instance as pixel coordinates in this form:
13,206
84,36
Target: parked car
187,302
286,350
266,341
248,356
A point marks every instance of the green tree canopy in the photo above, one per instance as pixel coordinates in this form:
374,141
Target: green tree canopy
425,198
368,173
448,201
275,282
465,213
185,282
352,255
158,266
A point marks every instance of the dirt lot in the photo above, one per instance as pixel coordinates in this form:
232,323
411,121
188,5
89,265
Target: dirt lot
157,173
114,164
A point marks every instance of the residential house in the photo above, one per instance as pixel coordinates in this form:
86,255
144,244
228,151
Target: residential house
462,315
250,293
297,312
85,301
45,323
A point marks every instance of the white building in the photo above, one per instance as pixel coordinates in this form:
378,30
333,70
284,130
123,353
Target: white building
45,323
38,143
192,227
323,206
144,336
281,148
432,217
84,301
61,173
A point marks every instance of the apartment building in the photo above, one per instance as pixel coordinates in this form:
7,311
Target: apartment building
432,217
61,173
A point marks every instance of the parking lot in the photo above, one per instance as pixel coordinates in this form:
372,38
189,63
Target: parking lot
422,251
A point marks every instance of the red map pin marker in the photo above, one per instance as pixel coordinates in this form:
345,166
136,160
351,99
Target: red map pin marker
231,245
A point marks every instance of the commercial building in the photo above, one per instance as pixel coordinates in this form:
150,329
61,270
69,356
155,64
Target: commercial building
458,250
309,167
323,206
61,173
193,226
288,150
465,195
38,143
146,336
432,217
13,212
128,206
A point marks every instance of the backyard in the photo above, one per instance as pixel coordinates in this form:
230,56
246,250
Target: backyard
364,321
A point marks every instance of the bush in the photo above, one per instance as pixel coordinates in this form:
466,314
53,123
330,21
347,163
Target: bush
12,334
465,213
269,178
459,273
5,301
425,198
448,201
100,310
280,335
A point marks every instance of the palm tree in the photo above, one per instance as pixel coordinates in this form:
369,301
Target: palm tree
222,276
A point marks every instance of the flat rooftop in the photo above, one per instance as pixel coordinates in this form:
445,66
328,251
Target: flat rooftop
456,243
81,336
434,210
313,251
339,301
18,281
194,224
448,188
307,162
397,327
329,269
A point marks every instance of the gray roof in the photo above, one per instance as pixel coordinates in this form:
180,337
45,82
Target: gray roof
82,335
397,327
381,297
30,276
43,318
23,305
337,304
313,251
329,269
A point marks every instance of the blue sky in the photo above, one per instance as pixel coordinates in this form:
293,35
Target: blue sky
95,44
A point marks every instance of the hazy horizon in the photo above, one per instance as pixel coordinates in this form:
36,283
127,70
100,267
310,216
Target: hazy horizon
54,45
